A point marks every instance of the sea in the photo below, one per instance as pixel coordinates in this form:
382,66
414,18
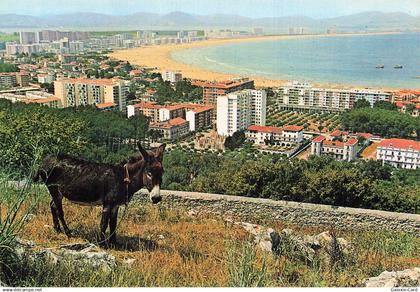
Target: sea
350,60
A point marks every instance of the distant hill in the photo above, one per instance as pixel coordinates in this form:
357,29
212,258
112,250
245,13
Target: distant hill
177,20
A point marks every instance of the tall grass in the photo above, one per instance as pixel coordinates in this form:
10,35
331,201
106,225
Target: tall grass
18,199
244,270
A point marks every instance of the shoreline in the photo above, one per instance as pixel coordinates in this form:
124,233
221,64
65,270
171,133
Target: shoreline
160,58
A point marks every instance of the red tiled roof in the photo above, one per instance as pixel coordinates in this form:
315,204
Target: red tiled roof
104,105
220,85
408,91
367,136
148,105
293,128
174,107
333,143
177,121
400,144
42,100
90,81
201,109
352,142
265,129
169,124
319,139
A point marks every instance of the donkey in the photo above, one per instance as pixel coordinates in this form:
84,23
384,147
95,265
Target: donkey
98,184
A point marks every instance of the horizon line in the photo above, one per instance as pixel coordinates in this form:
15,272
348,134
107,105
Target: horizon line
195,14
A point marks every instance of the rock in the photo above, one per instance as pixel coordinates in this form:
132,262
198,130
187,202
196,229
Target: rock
294,246
406,278
80,254
267,239
129,262
160,237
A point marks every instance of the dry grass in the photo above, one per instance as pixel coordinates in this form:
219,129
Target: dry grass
172,248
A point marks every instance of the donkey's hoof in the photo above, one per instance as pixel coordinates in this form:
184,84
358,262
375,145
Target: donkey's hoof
68,233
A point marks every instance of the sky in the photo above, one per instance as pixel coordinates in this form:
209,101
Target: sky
250,8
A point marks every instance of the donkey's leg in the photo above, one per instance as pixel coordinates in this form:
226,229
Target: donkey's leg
55,216
58,201
106,211
113,224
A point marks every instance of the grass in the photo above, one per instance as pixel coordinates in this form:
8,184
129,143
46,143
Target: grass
173,249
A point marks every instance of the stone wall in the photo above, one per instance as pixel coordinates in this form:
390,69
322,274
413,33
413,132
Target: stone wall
254,209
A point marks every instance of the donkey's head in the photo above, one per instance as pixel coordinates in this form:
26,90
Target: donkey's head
153,171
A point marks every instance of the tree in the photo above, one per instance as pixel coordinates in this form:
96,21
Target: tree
409,108
49,87
361,103
235,141
385,105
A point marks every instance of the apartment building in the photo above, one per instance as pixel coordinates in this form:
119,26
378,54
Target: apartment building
212,90
200,117
147,109
14,79
172,76
405,95
344,151
400,153
45,78
34,97
303,96
172,129
171,112
237,111
78,92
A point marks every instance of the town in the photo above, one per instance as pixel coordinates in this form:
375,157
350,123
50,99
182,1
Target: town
72,69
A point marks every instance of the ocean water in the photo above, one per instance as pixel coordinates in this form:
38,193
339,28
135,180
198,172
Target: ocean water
342,59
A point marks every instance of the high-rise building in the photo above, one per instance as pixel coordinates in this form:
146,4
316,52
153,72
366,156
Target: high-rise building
302,96
28,38
77,92
171,76
212,90
238,110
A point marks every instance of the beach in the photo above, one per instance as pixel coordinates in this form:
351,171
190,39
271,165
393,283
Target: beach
159,58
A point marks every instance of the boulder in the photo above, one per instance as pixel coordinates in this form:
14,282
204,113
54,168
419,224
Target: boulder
406,278
267,239
294,246
80,254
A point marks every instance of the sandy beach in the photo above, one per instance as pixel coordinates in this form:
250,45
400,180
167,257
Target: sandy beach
159,57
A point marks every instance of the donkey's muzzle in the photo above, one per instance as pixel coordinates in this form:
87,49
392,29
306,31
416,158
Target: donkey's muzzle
156,199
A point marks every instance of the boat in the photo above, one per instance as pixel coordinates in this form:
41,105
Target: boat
398,67
380,66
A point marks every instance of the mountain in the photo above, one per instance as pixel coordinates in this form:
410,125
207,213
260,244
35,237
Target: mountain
176,20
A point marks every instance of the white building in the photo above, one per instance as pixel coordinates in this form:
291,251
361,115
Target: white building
238,110
261,134
171,76
45,78
345,151
400,153
304,96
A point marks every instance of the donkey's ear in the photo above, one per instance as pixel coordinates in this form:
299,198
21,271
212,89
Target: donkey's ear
159,151
142,151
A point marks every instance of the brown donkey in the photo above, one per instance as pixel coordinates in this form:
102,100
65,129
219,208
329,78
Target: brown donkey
88,183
